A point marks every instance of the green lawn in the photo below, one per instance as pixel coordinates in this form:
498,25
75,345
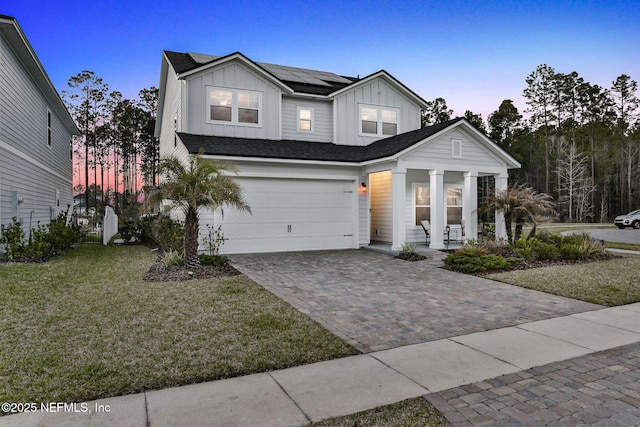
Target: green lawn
86,326
611,283
412,412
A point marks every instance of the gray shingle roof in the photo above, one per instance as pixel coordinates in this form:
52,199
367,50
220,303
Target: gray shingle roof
304,150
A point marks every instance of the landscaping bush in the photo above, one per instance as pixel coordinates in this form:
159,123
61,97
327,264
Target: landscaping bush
479,264
44,241
170,258
472,248
127,229
168,234
408,252
214,260
535,249
153,230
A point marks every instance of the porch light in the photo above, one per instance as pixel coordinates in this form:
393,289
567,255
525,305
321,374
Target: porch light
363,188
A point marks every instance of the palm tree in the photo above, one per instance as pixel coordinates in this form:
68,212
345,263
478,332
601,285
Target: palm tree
520,204
199,184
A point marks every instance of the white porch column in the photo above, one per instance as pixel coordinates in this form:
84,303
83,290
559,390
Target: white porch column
501,185
470,205
436,190
399,186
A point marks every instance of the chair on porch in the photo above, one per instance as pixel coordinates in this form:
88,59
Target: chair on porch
426,226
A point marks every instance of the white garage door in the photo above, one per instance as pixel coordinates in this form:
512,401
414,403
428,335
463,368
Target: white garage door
291,214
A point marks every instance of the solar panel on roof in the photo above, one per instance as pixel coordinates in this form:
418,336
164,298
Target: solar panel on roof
283,72
202,58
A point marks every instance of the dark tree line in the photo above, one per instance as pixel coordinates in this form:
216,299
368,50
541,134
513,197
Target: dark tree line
580,143
116,155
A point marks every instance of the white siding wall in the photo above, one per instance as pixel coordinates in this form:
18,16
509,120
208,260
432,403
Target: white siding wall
377,92
323,120
27,164
381,206
233,76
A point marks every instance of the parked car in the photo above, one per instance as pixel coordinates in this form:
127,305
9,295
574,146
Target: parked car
632,219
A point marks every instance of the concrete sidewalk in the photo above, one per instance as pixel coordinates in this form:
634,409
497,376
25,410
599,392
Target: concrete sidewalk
299,395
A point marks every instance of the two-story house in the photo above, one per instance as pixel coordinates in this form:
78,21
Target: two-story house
325,161
36,169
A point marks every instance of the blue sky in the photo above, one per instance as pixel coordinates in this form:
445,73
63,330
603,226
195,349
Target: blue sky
474,54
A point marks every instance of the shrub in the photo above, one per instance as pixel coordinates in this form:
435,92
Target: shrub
479,264
590,248
170,258
214,260
44,242
570,250
546,251
14,240
168,234
408,248
535,249
471,248
127,229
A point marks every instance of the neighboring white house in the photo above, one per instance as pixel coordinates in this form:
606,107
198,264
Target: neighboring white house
35,135
325,161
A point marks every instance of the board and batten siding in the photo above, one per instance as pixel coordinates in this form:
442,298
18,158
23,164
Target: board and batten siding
377,92
322,120
438,154
232,76
380,192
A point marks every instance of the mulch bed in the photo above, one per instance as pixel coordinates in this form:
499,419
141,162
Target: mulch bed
413,256
177,273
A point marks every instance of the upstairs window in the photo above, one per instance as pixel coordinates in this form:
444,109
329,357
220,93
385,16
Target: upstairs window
305,119
234,106
378,121
248,107
221,105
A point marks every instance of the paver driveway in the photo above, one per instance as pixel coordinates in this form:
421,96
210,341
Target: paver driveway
376,302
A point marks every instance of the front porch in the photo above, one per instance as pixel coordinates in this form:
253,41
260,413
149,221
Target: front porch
400,199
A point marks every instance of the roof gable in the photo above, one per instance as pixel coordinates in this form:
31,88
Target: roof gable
382,74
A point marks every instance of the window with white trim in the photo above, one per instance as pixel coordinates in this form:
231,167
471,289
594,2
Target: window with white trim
234,106
378,121
421,202
454,205
305,119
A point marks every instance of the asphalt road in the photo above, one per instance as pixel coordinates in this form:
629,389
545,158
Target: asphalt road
628,235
